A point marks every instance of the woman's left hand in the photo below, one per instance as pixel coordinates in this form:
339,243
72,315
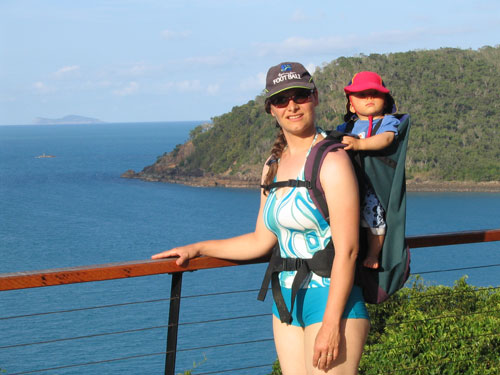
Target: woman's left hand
326,347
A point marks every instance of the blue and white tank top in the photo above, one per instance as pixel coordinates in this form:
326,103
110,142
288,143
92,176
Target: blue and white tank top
300,228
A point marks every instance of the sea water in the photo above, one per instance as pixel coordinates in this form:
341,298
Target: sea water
74,210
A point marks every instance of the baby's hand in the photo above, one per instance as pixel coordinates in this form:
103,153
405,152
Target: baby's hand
351,142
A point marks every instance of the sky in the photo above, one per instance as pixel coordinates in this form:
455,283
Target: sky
183,60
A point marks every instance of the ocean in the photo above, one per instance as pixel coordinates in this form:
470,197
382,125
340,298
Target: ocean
74,210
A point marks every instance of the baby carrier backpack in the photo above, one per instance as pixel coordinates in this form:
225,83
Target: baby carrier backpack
385,170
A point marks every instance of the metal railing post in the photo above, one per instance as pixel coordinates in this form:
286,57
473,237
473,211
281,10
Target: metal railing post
173,322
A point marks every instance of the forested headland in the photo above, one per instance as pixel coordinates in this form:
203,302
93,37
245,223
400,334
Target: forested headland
452,96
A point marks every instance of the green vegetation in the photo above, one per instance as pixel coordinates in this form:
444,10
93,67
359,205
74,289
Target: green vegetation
434,330
451,95
195,366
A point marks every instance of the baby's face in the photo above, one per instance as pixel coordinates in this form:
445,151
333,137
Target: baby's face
367,103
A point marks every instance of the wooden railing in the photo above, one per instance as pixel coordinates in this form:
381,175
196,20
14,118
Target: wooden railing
35,279
121,270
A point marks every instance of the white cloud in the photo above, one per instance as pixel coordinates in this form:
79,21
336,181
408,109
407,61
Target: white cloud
92,85
297,46
131,88
213,89
42,88
182,86
175,35
65,70
140,69
300,45
299,16
256,82
207,60
189,86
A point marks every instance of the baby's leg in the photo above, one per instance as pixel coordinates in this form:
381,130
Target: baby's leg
373,218
375,243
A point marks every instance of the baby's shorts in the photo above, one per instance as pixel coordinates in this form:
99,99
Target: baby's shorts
372,213
310,305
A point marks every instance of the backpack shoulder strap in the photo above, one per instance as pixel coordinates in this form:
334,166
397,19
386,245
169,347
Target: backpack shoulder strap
350,125
377,127
313,166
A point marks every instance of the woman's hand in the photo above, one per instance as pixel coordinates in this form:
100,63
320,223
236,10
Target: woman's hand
184,253
326,347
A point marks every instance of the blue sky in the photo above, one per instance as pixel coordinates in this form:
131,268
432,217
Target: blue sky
173,60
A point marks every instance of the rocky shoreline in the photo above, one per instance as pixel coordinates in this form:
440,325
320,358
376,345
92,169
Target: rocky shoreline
198,181
453,186
253,183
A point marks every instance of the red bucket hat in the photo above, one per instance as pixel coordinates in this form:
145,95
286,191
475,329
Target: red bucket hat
366,81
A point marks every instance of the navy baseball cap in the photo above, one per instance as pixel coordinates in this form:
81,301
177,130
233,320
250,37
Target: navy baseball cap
287,75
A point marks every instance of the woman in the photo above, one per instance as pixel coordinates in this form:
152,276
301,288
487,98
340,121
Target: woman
329,322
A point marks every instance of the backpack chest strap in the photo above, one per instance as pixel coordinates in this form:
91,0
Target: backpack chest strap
287,183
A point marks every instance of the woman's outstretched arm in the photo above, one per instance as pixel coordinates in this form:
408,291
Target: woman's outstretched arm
247,246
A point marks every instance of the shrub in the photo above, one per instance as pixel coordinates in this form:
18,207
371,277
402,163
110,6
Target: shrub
427,330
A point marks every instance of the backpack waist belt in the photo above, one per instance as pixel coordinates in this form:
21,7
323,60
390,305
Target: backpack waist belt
320,264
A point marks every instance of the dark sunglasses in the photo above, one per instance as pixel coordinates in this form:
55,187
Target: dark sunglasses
300,97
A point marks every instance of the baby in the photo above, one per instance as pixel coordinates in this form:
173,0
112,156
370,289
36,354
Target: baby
371,126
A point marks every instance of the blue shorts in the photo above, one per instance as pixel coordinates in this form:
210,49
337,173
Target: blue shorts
310,305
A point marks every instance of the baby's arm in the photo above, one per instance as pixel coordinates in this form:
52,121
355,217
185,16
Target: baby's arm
376,142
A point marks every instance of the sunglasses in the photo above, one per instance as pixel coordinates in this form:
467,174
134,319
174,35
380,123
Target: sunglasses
300,97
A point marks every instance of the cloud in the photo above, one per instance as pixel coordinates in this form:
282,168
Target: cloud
190,86
98,84
139,69
130,89
182,86
175,35
42,88
256,82
65,70
299,16
207,60
213,89
300,46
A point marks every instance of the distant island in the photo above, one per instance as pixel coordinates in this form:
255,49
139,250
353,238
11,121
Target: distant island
67,120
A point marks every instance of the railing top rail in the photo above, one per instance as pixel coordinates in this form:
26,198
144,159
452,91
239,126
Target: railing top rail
121,270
